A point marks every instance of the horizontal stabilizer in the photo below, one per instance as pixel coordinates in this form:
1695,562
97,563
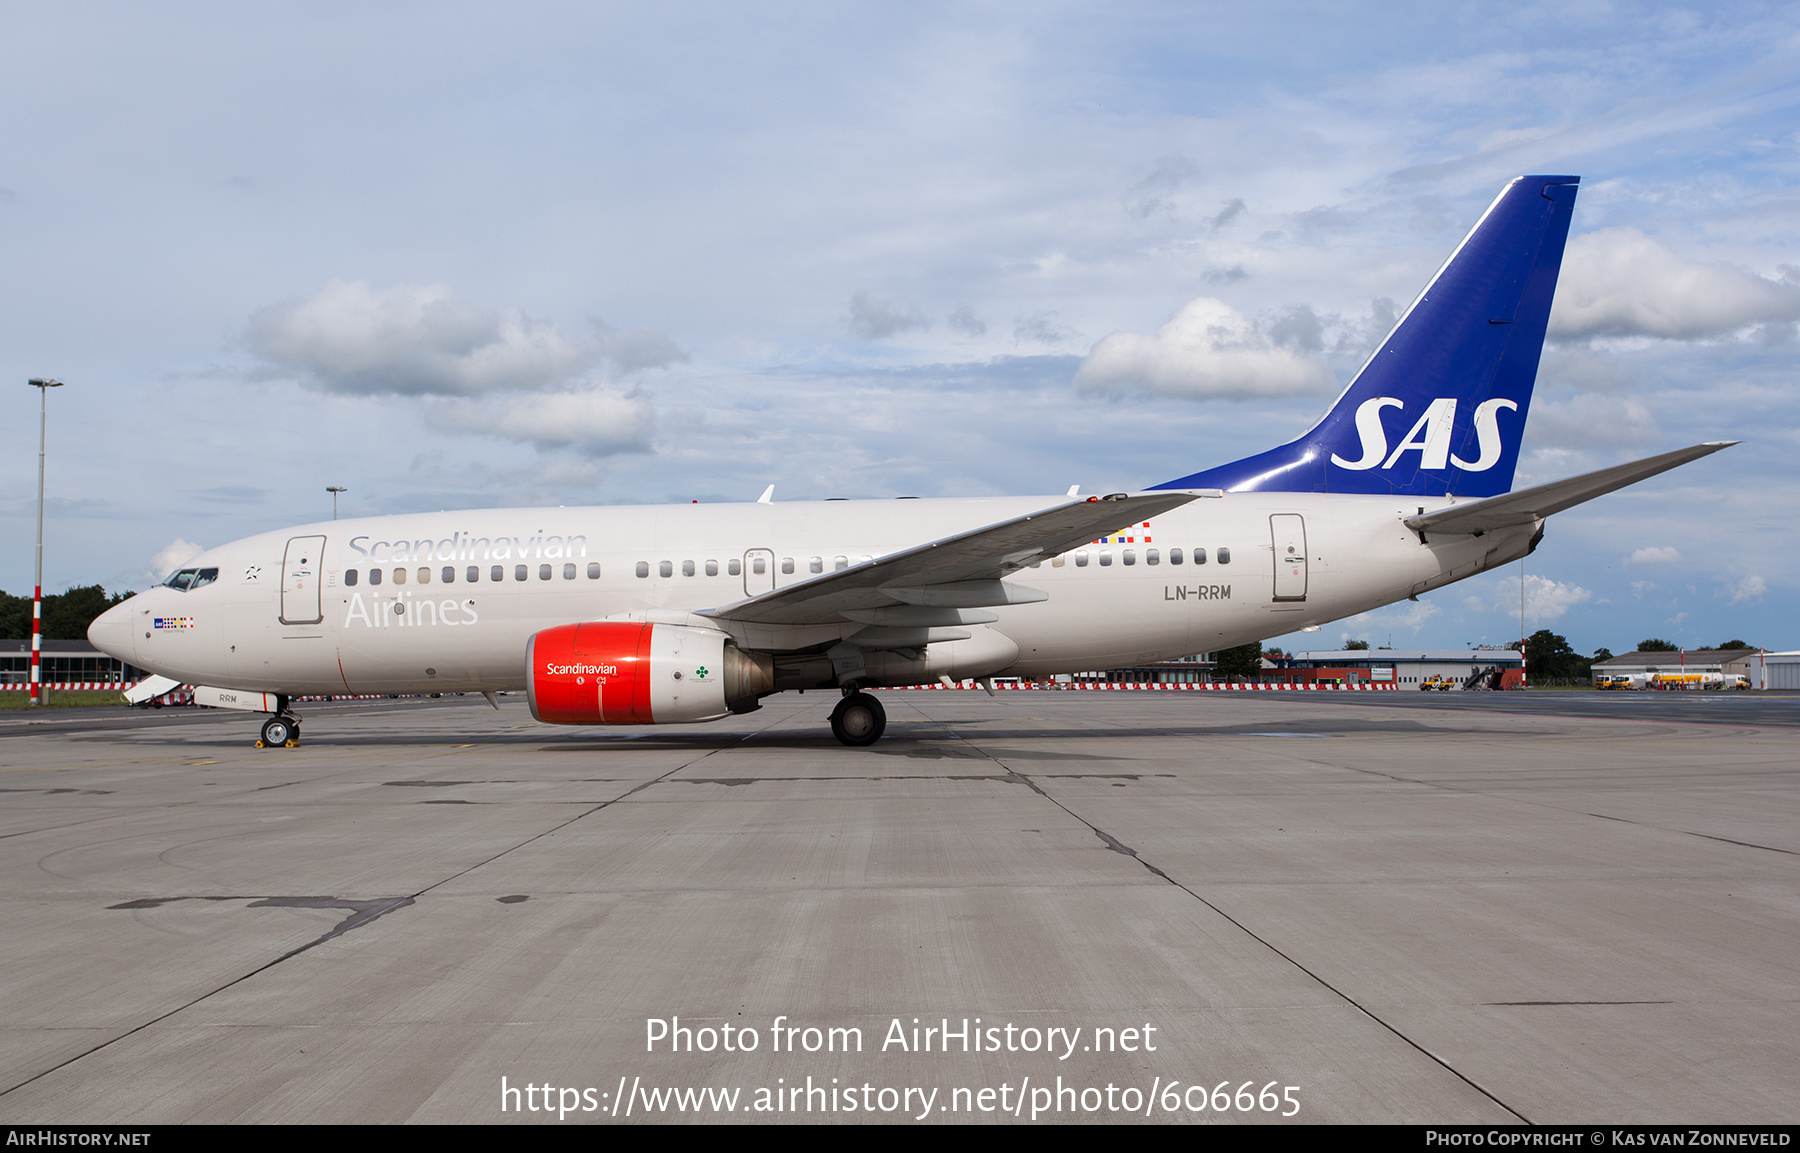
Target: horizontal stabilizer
1527,505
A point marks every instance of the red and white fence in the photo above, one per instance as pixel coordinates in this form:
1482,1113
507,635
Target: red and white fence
1157,686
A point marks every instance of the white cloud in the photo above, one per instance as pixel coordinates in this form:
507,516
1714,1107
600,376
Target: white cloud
1207,349
598,421
1666,555
1590,418
417,341
1619,282
1547,600
1412,615
172,556
1751,588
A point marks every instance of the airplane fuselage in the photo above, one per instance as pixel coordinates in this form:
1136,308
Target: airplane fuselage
438,602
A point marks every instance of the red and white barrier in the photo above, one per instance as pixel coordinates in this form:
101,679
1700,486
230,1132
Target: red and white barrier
1158,686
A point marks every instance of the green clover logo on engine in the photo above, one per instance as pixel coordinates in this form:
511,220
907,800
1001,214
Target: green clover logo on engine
700,672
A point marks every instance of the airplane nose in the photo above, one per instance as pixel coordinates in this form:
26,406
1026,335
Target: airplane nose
111,632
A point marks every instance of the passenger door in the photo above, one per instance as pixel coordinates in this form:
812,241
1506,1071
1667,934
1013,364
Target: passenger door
300,581
1289,533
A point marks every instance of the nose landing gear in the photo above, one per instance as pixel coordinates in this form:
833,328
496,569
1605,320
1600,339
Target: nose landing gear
280,732
858,720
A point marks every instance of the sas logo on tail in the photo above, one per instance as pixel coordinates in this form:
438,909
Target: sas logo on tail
1430,435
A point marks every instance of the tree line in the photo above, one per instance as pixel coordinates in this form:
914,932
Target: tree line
1549,658
67,615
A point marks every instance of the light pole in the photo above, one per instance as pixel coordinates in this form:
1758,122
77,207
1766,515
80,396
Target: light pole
334,490
43,385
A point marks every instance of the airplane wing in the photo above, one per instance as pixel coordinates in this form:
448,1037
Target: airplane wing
1527,505
962,570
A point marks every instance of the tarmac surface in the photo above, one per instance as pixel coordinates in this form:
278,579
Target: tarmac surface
1477,908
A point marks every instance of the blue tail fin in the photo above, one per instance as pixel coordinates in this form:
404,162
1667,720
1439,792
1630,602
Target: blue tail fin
1440,407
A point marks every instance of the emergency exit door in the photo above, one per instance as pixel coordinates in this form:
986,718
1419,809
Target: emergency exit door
300,569
1289,533
759,572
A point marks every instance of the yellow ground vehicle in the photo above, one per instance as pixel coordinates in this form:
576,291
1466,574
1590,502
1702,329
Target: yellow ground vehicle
1441,684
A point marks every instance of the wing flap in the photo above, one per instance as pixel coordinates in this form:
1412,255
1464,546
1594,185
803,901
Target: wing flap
1527,505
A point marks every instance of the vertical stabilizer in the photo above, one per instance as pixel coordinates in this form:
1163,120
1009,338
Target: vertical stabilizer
1441,405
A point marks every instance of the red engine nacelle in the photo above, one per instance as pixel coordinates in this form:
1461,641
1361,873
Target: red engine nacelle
634,673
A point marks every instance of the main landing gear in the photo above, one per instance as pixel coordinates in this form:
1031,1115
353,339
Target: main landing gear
280,732
858,720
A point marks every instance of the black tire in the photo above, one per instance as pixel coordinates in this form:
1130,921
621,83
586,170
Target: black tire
278,731
858,720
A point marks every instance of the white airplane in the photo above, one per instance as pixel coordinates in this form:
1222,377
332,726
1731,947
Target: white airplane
640,615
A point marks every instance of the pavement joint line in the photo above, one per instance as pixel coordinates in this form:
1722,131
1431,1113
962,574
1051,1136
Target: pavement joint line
1490,794
1117,846
388,905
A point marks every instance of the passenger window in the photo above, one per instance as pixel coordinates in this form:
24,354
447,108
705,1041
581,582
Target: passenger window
399,576
449,574
687,568
1081,559
521,572
1130,556
1224,556
374,576
350,577
593,570
816,564
756,566
568,572
543,572
1199,556
1105,557
840,563
712,568
787,565
424,576
1057,562
497,573
864,559
1174,556
473,576
665,568
1150,557
735,567
643,568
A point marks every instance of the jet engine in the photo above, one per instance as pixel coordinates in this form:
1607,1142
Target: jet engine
638,673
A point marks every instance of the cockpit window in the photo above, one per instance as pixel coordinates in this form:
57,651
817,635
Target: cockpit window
188,579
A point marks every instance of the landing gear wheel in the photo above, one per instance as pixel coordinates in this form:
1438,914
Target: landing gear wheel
858,720
279,733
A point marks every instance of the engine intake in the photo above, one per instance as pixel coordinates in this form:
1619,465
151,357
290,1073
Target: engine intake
636,673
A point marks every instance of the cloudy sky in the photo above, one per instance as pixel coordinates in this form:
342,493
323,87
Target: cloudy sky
485,255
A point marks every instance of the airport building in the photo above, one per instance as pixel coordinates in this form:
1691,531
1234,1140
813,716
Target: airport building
1196,669
1703,668
1403,668
64,662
